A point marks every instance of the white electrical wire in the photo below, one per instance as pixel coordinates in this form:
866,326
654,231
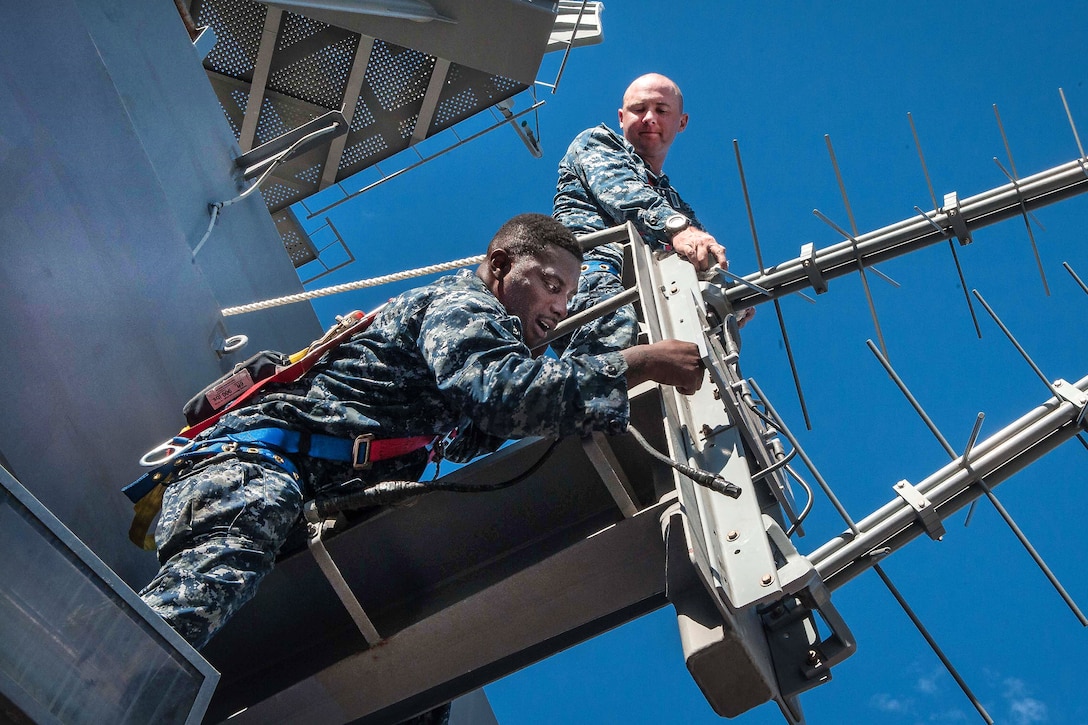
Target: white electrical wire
217,207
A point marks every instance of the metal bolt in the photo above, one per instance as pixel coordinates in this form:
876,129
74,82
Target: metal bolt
717,394
766,580
706,430
732,535
813,657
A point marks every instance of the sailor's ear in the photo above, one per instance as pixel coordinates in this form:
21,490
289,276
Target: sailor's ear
499,262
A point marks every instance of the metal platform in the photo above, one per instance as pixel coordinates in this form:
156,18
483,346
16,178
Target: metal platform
463,588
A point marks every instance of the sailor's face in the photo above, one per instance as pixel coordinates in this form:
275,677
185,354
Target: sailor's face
652,116
537,290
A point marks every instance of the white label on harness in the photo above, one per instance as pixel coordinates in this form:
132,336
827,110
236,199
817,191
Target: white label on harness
229,389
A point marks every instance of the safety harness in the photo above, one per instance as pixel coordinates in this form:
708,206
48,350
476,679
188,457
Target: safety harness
176,457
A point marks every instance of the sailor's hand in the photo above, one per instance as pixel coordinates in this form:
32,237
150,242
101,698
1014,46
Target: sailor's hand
669,362
699,248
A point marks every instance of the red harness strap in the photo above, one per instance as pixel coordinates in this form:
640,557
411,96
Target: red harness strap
351,323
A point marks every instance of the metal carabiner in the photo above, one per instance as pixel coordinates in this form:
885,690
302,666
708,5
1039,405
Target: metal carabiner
166,452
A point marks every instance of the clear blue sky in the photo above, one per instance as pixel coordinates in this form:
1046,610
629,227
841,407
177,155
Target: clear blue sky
777,77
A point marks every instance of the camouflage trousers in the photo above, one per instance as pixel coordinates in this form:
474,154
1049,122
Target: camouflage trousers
218,535
613,332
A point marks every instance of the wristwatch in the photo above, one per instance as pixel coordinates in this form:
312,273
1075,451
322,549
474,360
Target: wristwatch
676,224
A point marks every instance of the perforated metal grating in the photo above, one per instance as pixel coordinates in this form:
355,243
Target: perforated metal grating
297,243
407,126
314,61
363,117
397,76
310,175
233,126
238,25
466,91
278,195
360,151
279,115
306,74
296,28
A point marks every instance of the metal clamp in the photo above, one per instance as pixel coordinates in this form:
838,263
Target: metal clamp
1072,394
927,513
951,208
808,263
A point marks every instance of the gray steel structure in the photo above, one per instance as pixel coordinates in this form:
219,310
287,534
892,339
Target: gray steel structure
397,81
112,146
112,321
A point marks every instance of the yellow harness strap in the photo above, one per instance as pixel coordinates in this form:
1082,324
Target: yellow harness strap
146,509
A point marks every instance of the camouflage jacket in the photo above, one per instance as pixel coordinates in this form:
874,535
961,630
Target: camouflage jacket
436,358
603,182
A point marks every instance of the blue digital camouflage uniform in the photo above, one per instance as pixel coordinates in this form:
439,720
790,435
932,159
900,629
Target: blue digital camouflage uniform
603,183
435,357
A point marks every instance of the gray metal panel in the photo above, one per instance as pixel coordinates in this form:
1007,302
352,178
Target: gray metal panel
76,644
111,148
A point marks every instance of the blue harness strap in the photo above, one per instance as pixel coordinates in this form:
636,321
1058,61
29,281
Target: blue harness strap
273,445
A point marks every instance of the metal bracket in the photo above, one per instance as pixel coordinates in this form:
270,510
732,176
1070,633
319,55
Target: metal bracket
600,454
1072,394
254,162
927,513
796,571
802,657
808,263
340,585
951,208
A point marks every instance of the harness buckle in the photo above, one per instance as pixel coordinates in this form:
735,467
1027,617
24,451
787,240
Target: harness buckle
363,442
166,452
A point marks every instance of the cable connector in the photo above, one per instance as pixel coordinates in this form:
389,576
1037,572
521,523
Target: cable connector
710,480
704,478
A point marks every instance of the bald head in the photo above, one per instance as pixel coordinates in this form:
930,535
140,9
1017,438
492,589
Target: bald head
651,116
659,81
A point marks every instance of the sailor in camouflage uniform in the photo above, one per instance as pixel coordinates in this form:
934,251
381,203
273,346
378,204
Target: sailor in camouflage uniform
457,351
606,180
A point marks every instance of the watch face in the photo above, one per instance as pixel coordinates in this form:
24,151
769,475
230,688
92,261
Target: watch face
676,224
